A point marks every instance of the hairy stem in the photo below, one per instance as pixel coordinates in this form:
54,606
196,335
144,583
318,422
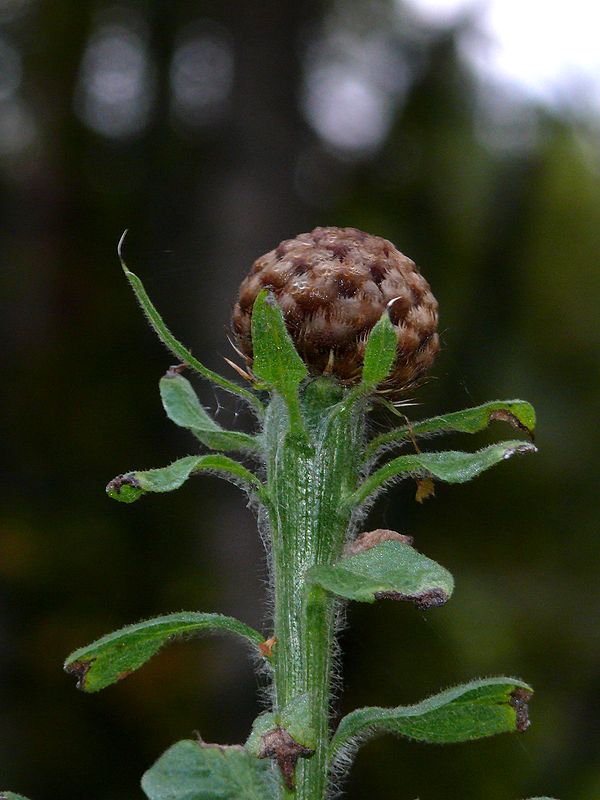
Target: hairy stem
308,480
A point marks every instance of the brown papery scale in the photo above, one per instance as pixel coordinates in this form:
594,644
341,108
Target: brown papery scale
333,285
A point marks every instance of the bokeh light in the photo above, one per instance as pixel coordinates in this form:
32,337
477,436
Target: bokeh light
116,84
201,75
354,81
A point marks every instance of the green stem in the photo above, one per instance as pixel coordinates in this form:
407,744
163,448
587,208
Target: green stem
308,480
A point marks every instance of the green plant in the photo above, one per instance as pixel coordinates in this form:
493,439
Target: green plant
316,474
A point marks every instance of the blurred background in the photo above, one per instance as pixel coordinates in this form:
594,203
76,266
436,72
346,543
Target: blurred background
468,133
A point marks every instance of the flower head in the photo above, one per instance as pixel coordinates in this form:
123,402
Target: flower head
332,285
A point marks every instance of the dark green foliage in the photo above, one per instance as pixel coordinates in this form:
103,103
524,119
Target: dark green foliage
11,796
276,361
132,485
478,709
182,406
518,413
450,466
380,353
294,718
196,771
390,569
118,654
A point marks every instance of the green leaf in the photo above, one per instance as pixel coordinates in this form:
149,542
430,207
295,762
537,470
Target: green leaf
120,653
284,736
391,569
181,403
380,355
294,718
196,771
171,343
450,466
380,352
260,727
131,486
11,796
518,413
472,711
276,361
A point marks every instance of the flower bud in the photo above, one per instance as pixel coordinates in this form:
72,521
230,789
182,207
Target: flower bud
333,285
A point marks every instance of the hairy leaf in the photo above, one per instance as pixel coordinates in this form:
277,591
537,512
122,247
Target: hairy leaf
450,466
264,723
518,413
120,653
294,718
171,343
276,361
132,485
182,406
196,771
11,796
391,569
472,711
284,736
380,352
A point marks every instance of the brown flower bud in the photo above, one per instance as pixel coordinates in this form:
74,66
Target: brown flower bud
333,285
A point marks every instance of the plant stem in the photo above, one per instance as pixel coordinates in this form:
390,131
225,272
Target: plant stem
308,480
